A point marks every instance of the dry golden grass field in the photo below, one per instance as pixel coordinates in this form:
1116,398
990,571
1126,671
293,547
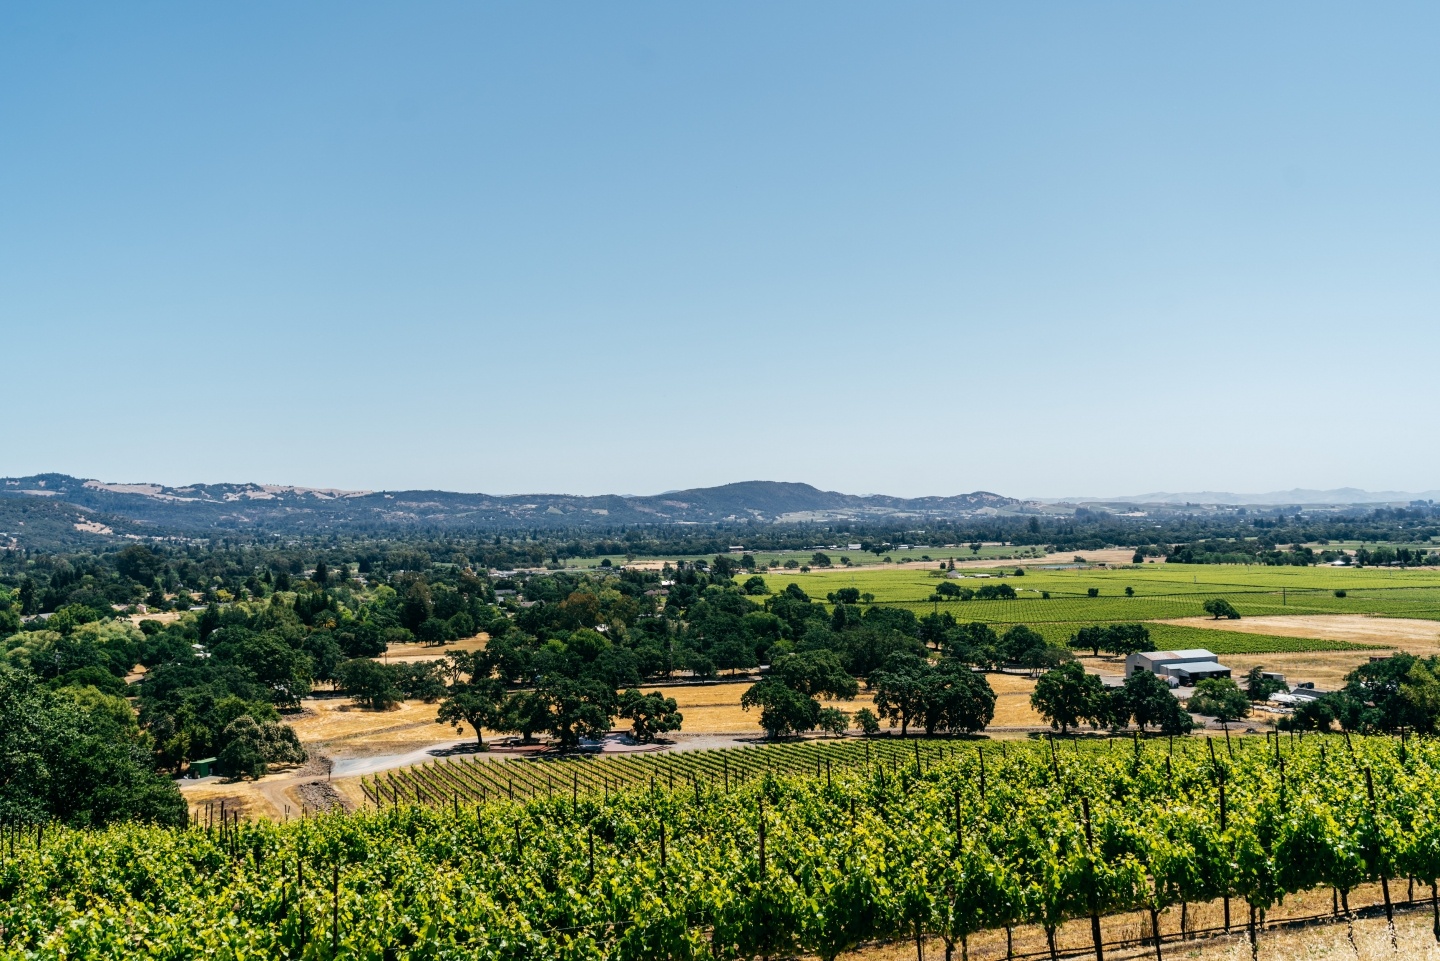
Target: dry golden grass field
431,652
715,708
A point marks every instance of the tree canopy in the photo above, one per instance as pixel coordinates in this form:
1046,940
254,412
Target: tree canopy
1068,696
1220,698
76,757
1218,607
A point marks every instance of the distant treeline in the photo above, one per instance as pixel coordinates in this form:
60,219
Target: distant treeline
112,574
1236,551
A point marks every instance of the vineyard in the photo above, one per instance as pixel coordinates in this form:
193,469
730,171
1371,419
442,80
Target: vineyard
1170,637
1031,607
1158,592
451,781
947,842
1179,636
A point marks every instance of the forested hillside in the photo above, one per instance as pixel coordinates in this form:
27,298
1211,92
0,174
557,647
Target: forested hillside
287,509
58,513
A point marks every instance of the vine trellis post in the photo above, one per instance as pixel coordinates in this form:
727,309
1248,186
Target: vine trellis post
1090,895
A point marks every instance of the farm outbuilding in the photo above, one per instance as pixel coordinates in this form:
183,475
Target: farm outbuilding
1186,667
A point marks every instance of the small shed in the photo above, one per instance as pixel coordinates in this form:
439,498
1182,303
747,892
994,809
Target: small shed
204,767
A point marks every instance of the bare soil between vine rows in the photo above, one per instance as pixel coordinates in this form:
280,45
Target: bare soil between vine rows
1284,937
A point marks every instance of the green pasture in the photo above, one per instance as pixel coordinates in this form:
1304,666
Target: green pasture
1161,591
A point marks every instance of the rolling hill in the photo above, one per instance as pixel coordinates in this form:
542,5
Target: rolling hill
79,507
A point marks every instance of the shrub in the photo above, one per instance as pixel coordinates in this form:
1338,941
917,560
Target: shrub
867,721
834,721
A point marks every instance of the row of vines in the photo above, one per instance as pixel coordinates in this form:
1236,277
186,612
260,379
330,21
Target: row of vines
941,844
1061,606
466,780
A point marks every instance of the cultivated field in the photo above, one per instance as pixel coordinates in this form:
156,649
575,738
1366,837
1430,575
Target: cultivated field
1417,636
513,851
1292,619
1159,591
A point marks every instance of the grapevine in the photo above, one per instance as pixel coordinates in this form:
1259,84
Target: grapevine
817,860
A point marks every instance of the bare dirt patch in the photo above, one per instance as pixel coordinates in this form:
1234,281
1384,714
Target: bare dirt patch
1325,939
92,527
321,796
655,565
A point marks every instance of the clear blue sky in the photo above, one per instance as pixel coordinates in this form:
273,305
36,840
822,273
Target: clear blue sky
1040,249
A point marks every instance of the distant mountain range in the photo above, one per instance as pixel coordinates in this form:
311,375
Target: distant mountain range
1297,496
58,503
56,510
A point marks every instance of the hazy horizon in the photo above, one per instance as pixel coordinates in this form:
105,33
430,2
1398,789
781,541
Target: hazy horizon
904,248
